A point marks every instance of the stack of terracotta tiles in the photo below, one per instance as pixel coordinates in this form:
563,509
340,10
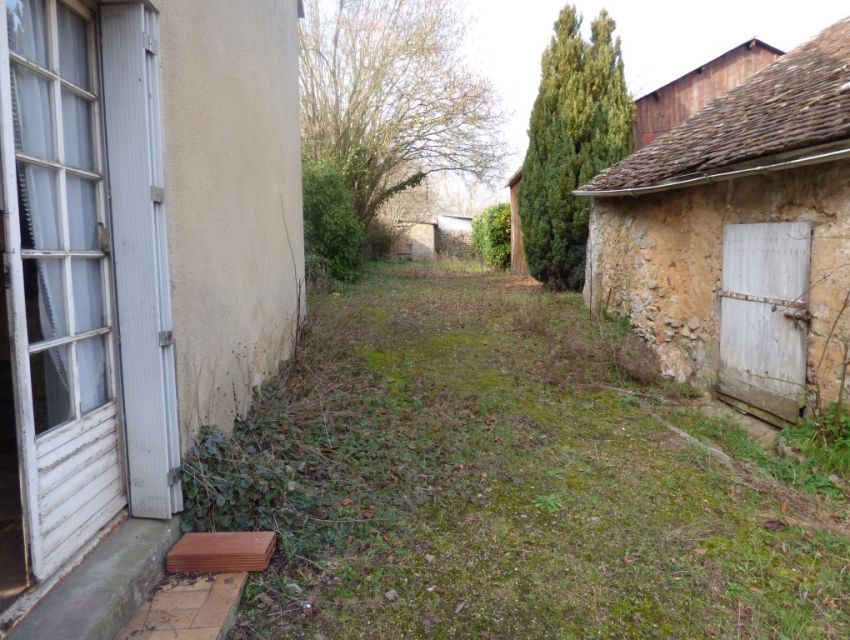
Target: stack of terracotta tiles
221,552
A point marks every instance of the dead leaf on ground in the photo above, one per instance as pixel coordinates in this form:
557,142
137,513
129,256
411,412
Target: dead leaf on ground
265,599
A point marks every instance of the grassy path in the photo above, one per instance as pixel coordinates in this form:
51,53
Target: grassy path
468,469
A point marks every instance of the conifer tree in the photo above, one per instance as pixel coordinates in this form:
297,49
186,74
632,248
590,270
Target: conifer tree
581,123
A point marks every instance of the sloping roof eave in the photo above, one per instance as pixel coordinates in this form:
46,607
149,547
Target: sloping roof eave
806,157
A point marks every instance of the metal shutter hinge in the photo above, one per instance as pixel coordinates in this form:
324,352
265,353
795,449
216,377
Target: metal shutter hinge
150,43
166,338
174,476
158,194
7,273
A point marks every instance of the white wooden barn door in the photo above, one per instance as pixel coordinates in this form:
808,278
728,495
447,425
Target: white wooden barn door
764,317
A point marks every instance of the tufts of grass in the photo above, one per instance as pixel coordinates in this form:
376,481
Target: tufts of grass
824,441
809,474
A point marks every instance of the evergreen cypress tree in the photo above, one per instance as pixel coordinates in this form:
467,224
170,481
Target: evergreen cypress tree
581,123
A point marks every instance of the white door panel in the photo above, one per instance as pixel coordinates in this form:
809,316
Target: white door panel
762,343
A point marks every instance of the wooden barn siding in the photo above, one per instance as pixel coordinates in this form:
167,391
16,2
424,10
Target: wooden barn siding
672,104
518,263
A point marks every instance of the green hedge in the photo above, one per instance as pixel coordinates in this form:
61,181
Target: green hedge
491,235
331,229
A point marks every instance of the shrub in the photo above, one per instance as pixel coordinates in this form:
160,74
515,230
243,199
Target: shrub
331,229
317,273
380,236
491,235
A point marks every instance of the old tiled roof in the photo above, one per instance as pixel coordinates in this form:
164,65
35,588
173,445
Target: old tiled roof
801,100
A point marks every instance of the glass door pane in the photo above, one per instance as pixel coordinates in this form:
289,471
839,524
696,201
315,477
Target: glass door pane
55,106
26,23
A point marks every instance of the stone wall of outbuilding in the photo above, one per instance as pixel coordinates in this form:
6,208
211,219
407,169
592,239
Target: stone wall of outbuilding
454,243
657,259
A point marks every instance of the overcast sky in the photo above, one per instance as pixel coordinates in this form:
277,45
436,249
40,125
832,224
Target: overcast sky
661,40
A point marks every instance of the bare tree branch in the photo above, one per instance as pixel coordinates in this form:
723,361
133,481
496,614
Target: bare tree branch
385,93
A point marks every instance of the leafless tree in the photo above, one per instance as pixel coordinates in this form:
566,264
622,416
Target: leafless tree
386,94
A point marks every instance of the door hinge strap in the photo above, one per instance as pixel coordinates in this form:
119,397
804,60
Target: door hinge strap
774,302
166,338
174,476
158,194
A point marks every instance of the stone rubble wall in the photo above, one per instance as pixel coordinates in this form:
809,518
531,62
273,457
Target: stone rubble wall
454,243
657,259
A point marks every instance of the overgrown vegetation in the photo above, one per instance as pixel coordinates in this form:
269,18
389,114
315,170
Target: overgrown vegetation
331,230
235,484
806,473
491,235
824,440
459,468
379,239
581,123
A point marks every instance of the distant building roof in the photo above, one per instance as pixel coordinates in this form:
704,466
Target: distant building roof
516,177
799,101
462,216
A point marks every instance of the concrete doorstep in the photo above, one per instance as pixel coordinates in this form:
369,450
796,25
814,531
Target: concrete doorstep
97,598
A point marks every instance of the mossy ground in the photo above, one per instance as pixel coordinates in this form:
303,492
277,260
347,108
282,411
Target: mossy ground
497,491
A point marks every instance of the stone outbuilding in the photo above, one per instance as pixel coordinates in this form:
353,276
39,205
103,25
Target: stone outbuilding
726,242
454,235
415,241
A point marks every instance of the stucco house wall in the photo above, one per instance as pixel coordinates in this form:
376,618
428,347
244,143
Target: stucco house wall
657,259
233,183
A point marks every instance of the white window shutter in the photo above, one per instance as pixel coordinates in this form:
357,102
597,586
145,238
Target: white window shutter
134,151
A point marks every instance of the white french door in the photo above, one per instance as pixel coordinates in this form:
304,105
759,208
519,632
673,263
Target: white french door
61,303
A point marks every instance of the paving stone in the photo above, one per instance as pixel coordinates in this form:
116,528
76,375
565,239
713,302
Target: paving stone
179,599
216,609
188,608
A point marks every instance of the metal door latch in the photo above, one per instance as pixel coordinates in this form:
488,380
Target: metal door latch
799,317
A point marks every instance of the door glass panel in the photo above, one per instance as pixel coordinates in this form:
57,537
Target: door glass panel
44,285
39,207
82,214
50,372
91,363
33,113
76,120
73,47
64,289
88,294
27,27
